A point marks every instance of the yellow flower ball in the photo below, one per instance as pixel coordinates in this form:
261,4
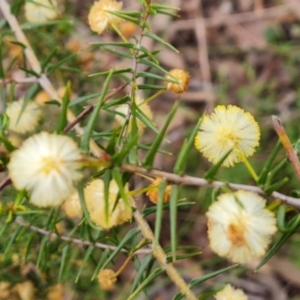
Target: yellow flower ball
227,128
183,79
100,17
95,204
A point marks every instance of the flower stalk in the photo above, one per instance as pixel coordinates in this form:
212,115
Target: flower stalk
161,258
248,166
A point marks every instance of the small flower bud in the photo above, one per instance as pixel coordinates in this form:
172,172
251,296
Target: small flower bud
107,279
42,97
183,79
153,192
128,28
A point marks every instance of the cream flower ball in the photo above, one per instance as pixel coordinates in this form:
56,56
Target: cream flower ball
46,166
72,206
229,293
23,120
95,204
100,17
240,227
227,128
38,11
123,109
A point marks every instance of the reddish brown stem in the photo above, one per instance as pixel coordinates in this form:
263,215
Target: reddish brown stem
5,182
291,153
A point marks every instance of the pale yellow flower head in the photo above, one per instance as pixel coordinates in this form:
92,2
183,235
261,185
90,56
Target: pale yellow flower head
107,279
227,128
72,206
23,120
183,79
38,11
100,17
123,109
240,227
95,204
230,293
46,165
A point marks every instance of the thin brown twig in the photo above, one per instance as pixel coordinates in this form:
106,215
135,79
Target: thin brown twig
5,182
257,42
80,117
115,91
161,258
190,180
90,108
19,81
79,242
200,31
196,181
291,153
267,13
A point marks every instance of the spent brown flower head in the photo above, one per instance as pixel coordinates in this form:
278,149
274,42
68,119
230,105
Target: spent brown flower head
153,191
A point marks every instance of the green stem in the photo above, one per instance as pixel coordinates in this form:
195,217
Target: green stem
119,33
248,166
152,97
